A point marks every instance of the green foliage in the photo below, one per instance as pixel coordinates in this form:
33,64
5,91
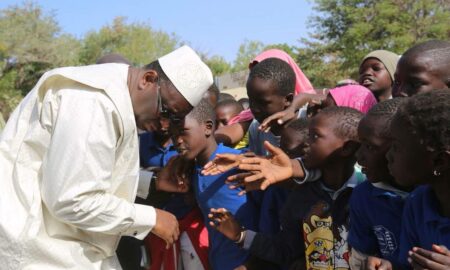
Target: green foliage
346,30
31,44
137,42
218,65
246,53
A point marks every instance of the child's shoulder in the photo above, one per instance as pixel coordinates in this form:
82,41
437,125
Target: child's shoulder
222,149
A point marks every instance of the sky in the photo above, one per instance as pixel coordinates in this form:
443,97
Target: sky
214,27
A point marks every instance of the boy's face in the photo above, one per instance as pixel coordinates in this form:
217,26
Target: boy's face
374,147
293,143
224,114
374,75
190,137
264,100
323,143
417,74
408,160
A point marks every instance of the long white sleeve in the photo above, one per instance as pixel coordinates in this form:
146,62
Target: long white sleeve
77,180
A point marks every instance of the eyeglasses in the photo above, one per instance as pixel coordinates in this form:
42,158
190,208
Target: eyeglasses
163,111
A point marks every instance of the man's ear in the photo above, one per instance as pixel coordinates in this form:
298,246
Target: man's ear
288,100
149,76
209,127
349,148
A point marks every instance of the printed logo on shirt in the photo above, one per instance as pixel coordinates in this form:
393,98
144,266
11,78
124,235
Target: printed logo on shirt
386,240
324,249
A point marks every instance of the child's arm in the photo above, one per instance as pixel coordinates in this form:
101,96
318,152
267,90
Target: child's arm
263,172
281,248
437,259
290,114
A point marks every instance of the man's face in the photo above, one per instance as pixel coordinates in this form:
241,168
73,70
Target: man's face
323,143
374,75
264,100
159,99
417,74
189,137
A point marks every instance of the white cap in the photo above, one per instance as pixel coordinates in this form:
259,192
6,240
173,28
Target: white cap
188,73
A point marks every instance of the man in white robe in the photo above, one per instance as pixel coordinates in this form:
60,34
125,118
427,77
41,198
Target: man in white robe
69,162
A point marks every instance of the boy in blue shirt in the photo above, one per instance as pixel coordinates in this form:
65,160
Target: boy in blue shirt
194,141
420,154
315,217
376,204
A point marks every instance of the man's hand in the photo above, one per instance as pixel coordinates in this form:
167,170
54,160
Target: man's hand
224,162
438,258
224,222
375,263
166,227
264,172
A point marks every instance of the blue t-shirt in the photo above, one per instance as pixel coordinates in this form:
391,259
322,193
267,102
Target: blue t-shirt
152,154
422,224
375,221
212,192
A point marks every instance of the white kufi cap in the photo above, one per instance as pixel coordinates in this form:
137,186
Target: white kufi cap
188,73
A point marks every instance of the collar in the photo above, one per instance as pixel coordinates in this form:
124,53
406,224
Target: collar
351,183
383,189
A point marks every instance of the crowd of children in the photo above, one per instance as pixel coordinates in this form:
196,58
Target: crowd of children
356,177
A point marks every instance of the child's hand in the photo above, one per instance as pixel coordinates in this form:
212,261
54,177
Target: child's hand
224,222
224,162
174,177
283,117
263,172
437,258
375,263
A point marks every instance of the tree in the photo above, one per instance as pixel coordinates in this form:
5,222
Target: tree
31,44
246,53
218,65
346,30
137,42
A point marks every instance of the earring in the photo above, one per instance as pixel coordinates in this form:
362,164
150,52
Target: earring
436,173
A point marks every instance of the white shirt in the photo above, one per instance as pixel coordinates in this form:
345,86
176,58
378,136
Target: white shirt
69,169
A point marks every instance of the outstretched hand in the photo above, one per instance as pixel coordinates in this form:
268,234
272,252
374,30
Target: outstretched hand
438,258
224,162
223,221
263,172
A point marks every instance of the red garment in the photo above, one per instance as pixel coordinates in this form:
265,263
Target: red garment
195,228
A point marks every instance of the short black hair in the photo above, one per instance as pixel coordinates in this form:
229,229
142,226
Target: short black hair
437,50
225,96
300,126
346,121
203,112
231,103
385,110
157,67
113,58
429,116
278,71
